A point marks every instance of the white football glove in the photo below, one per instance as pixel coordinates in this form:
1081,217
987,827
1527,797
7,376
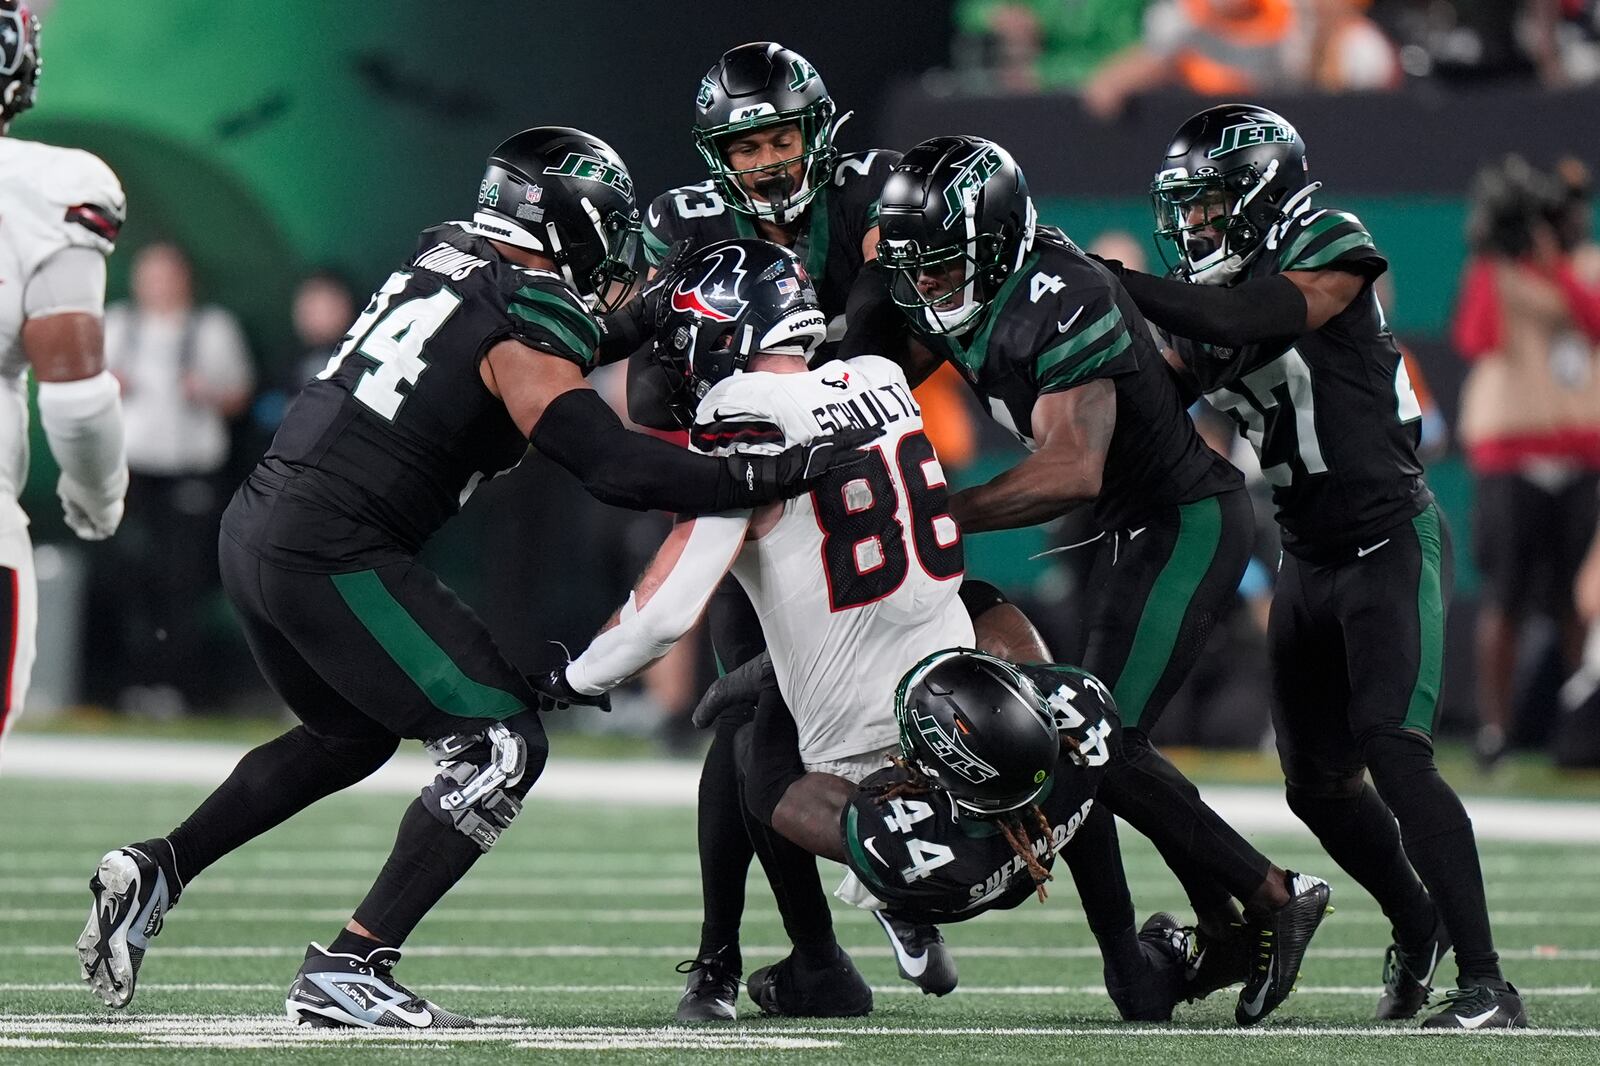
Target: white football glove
92,515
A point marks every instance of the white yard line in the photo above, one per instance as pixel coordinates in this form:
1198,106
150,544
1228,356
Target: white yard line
1542,953
665,783
433,988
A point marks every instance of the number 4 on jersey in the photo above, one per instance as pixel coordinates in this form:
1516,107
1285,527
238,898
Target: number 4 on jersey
393,338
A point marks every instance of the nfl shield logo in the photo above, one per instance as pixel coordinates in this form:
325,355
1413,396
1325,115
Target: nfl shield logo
533,193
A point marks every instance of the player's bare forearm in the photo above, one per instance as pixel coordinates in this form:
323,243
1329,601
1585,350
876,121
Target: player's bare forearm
1074,430
809,813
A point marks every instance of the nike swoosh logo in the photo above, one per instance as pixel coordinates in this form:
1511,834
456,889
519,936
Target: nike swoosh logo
1062,327
655,219
1475,1021
1362,553
1253,1006
913,965
108,909
867,843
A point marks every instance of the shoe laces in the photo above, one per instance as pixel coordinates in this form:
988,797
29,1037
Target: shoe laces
1463,999
713,966
384,971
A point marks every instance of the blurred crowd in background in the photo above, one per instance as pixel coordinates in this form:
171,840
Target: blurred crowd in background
202,403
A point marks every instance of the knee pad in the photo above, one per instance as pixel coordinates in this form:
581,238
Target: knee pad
484,776
980,596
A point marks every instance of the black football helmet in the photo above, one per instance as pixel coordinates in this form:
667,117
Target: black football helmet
565,194
954,222
752,87
19,59
977,728
725,303
1231,173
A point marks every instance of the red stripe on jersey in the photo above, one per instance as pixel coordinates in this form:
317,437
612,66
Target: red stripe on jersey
97,220
723,433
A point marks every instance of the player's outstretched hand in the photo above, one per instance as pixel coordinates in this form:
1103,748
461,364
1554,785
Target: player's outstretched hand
735,690
555,694
792,472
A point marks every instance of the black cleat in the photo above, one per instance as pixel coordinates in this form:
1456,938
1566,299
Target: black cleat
1166,947
712,992
920,954
1480,1007
1408,975
793,988
1216,963
339,991
132,895
1280,938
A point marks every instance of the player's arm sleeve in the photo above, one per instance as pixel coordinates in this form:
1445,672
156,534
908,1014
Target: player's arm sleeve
82,420
1096,343
1331,240
70,281
1247,313
545,315
670,597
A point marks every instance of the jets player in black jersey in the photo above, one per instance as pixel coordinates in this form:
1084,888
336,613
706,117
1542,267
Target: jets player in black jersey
998,773
1273,315
475,347
764,123
1048,338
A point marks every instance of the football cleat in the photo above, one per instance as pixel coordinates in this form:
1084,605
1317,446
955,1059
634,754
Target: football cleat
1215,963
335,990
1279,940
1480,1007
712,992
793,988
132,896
1166,948
920,954
1408,975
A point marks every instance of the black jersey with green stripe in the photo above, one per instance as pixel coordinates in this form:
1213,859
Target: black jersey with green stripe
930,866
1331,413
830,233
1060,321
390,439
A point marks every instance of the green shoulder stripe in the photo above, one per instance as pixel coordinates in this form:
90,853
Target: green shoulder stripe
1316,258
655,249
1085,352
571,325
1319,227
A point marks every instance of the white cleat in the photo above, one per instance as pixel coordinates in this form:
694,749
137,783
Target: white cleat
131,899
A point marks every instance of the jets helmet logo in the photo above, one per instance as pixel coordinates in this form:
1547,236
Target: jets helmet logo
801,74
704,97
593,168
1250,134
951,750
976,169
717,303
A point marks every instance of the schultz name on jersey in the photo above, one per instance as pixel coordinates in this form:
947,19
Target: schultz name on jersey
929,866
835,223
390,439
1331,413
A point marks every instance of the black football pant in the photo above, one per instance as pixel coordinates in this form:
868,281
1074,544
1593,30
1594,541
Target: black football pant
1155,592
362,659
728,836
1357,642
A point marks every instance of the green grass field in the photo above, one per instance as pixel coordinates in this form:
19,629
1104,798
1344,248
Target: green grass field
565,938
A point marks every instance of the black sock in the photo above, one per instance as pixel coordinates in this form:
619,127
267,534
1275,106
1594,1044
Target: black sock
1439,840
349,943
1150,794
428,858
271,783
161,850
725,849
792,872
1359,833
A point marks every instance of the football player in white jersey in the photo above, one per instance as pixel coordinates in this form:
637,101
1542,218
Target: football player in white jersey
61,212
853,583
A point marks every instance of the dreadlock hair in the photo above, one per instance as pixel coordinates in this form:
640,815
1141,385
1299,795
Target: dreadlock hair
1010,824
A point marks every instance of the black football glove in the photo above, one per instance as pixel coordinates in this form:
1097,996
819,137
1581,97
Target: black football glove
736,690
555,694
1114,265
769,478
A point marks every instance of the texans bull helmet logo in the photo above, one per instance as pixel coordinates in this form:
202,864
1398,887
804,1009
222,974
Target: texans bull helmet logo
718,303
